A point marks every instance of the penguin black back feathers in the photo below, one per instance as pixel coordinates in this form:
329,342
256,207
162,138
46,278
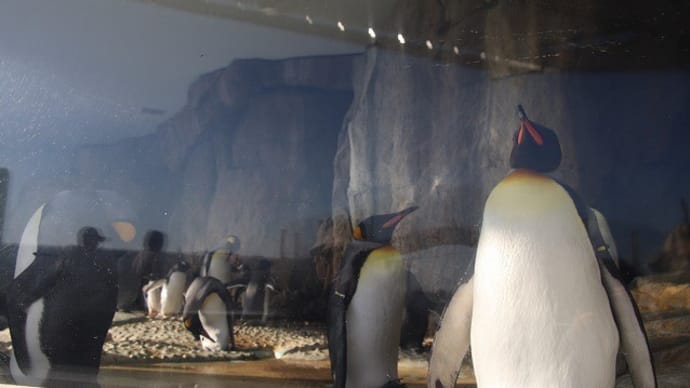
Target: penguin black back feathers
207,313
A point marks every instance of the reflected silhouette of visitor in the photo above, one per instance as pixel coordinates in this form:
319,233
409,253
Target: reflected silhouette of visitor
77,288
135,272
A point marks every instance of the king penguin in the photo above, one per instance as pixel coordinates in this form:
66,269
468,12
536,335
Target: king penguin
62,299
218,262
208,313
546,306
366,307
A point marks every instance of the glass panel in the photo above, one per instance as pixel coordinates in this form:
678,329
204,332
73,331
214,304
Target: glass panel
267,193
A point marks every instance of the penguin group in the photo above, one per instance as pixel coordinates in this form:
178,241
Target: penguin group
205,304
64,295
545,306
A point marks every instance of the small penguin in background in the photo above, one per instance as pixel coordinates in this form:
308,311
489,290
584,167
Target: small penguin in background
218,262
165,297
546,306
366,307
255,288
207,314
62,300
172,294
152,295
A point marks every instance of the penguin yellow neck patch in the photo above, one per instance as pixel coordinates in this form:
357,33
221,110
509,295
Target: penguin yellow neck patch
521,174
357,233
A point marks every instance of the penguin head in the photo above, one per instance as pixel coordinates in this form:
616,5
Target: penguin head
181,266
535,147
194,325
232,243
380,228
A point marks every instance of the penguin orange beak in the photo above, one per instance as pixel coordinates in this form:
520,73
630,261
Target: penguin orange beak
536,136
525,124
397,217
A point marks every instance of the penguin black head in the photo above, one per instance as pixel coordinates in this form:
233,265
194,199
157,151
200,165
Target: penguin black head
181,266
193,324
534,147
380,228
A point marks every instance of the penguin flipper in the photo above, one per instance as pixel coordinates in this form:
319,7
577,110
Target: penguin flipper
154,285
634,345
337,339
452,340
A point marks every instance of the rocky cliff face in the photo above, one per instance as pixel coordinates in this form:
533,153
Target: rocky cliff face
264,149
431,122
250,154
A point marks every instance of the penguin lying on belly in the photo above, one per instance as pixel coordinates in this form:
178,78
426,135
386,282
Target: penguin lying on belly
63,297
546,306
366,307
207,314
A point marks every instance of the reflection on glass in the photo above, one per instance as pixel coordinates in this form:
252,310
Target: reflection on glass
285,125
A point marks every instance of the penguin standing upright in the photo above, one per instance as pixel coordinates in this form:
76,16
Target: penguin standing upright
172,293
256,298
165,297
546,306
62,300
152,296
218,262
366,307
207,314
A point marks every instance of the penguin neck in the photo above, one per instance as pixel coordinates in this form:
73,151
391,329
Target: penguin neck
522,173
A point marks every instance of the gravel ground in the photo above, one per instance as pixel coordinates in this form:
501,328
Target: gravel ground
137,341
135,338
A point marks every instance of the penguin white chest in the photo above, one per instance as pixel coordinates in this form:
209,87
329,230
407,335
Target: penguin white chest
374,319
214,318
153,300
219,266
172,294
541,316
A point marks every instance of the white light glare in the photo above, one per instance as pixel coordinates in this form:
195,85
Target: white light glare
341,26
372,33
429,45
456,50
308,19
401,39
